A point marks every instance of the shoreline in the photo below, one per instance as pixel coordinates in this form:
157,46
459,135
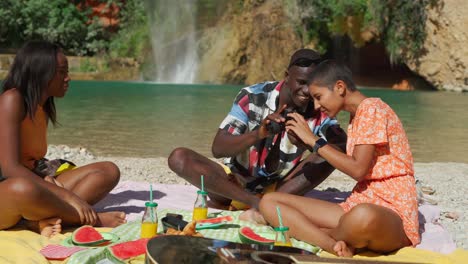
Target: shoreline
448,179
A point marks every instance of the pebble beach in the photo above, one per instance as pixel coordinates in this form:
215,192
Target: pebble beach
447,180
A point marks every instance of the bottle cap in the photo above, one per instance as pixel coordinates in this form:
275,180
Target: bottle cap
281,228
151,204
202,192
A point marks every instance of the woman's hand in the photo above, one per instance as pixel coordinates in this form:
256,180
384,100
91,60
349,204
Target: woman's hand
52,180
299,127
87,214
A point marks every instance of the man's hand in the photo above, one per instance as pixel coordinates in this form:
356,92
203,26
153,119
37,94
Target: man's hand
263,131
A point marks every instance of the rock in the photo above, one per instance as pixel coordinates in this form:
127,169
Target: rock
452,215
446,53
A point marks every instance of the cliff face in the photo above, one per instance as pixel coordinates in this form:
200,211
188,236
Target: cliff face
445,62
252,43
248,46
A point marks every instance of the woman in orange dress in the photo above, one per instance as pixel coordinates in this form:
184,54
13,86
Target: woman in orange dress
38,74
381,214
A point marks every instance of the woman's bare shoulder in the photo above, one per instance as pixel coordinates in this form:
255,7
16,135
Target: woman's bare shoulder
11,101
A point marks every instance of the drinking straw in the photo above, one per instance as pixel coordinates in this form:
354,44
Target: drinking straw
151,200
203,189
279,216
151,192
202,184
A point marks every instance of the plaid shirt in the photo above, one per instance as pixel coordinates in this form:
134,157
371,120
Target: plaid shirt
251,106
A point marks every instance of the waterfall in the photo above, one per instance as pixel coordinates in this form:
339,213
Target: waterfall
173,38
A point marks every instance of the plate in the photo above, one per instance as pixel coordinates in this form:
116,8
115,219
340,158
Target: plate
110,237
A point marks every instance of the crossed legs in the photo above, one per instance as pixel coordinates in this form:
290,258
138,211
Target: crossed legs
92,183
190,165
44,211
327,225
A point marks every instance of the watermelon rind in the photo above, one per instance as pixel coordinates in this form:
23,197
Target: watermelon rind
95,240
247,235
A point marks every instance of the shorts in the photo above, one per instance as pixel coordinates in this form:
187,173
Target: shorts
406,206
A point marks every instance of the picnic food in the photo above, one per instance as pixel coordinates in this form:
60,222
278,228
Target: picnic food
87,235
247,235
216,220
129,249
189,230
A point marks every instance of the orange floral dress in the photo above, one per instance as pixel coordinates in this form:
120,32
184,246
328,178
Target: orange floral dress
390,182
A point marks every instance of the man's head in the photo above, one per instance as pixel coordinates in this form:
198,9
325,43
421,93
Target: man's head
300,66
328,85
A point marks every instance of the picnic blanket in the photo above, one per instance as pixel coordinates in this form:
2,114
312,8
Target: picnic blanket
131,231
21,246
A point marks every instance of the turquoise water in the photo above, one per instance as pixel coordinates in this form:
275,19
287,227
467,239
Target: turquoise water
150,120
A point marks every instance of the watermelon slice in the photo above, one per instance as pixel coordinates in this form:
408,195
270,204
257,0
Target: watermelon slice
247,235
87,236
129,249
216,220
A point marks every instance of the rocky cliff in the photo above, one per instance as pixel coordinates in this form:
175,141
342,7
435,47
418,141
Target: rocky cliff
253,40
445,60
251,43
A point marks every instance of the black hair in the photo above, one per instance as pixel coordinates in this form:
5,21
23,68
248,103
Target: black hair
304,62
328,72
32,69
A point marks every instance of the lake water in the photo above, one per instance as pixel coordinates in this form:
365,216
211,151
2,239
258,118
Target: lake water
150,120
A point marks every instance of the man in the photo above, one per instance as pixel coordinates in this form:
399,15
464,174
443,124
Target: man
261,155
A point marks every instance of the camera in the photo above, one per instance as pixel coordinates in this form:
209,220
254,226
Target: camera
275,127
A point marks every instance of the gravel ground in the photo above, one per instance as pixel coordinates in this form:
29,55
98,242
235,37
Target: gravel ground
449,180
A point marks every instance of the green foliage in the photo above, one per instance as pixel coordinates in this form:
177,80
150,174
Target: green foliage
400,24
53,20
133,36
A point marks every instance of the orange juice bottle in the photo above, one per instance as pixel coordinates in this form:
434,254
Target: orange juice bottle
149,222
282,236
200,209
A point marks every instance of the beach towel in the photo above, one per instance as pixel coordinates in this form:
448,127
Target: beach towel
21,246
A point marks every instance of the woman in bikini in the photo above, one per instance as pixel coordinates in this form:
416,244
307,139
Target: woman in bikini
38,74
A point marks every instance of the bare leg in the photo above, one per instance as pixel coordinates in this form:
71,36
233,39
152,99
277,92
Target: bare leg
190,165
22,198
305,217
316,222
307,175
362,226
91,182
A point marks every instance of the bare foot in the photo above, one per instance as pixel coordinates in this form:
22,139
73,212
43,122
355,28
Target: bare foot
46,227
343,250
254,216
50,227
111,219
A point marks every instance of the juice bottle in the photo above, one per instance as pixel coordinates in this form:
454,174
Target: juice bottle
200,209
282,236
149,222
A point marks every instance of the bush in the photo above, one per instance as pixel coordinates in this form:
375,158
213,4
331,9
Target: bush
399,24
132,39
57,21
